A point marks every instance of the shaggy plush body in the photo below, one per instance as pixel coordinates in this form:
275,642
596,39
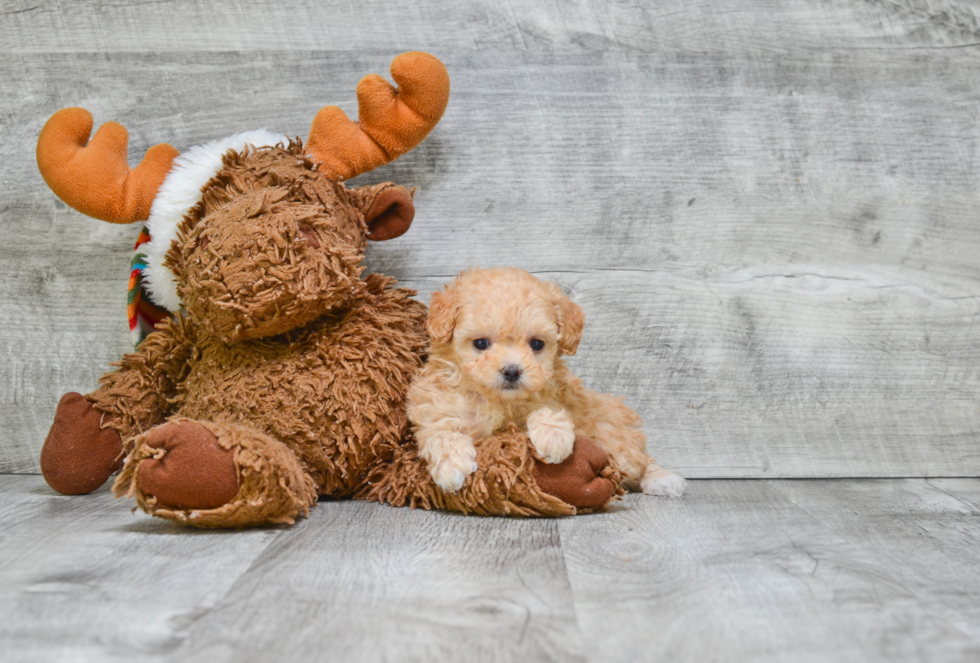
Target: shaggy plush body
286,377
282,349
286,406
283,374
498,336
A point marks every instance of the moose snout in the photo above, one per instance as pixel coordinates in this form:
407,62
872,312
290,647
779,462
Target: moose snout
511,373
308,234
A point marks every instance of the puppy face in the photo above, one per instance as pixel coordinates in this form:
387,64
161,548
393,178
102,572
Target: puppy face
504,329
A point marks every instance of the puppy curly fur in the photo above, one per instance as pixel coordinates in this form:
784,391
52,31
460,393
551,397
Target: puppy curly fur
496,341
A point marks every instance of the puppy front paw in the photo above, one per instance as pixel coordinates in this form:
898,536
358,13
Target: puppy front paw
552,434
451,458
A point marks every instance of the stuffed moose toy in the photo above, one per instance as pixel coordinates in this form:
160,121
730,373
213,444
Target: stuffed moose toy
275,373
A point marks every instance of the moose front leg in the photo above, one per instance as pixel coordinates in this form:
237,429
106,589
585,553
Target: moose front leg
90,433
509,480
584,479
211,475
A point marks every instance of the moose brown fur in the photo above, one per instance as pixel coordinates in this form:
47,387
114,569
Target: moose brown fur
284,376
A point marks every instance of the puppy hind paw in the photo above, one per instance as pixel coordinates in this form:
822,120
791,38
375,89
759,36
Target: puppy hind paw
661,483
552,434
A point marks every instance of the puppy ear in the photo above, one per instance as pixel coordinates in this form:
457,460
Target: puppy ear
571,321
388,209
443,309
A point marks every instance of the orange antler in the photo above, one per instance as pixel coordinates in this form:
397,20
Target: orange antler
95,179
391,121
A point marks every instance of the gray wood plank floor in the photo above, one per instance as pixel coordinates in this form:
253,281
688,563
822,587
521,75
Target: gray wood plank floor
777,570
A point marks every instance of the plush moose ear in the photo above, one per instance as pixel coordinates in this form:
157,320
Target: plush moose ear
388,210
443,309
571,321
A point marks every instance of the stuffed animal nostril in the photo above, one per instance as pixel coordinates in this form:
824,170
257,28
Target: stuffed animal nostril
306,230
511,372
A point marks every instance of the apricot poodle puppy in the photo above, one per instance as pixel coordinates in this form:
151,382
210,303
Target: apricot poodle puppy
497,338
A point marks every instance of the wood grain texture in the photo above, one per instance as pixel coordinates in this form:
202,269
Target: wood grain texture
853,570
758,27
921,532
735,571
83,578
965,490
370,583
778,260
769,214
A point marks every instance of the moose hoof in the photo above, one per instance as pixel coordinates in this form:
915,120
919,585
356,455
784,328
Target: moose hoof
194,473
79,455
576,480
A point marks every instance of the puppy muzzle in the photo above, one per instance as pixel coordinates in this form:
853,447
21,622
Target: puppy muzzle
510,378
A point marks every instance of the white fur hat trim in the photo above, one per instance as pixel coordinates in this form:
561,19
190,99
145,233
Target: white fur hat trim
181,190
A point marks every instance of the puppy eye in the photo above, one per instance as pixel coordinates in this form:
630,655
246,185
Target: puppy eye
481,344
537,344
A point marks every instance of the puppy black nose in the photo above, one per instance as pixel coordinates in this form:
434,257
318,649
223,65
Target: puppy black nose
512,372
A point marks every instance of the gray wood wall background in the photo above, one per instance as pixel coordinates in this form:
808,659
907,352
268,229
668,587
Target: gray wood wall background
768,209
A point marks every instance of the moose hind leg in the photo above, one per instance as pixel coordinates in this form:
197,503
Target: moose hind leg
81,451
208,474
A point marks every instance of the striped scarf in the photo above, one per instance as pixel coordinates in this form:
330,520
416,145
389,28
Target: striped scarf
143,313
